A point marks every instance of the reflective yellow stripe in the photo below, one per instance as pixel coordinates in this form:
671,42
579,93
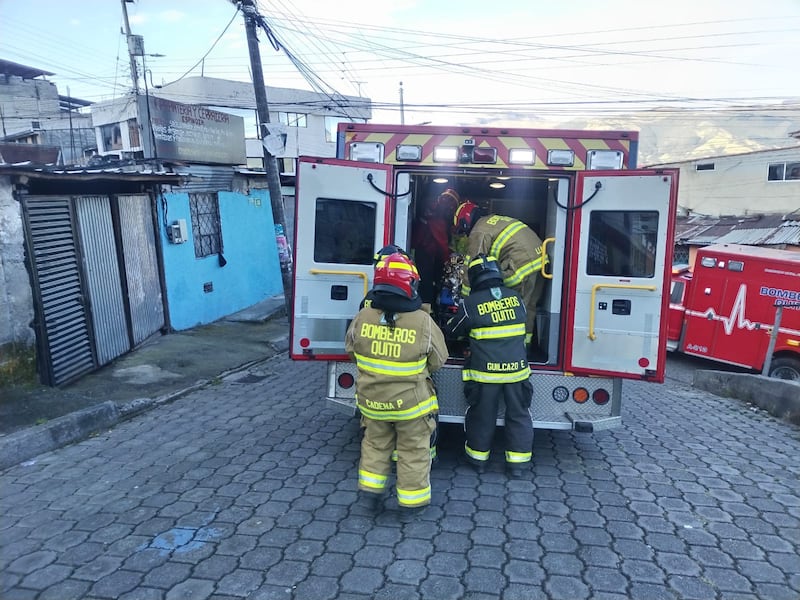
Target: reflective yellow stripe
501,331
394,455
421,409
465,289
528,338
484,377
414,497
433,451
390,367
518,457
476,454
371,480
504,236
524,271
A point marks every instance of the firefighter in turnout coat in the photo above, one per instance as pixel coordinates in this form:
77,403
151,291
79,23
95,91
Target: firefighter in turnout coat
516,247
493,316
396,346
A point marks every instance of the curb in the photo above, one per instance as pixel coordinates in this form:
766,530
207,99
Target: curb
779,397
26,444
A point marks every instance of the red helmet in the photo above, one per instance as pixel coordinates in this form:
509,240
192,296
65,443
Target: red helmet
396,274
467,214
446,203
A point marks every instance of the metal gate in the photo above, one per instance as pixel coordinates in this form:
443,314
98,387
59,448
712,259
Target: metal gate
96,280
145,301
63,330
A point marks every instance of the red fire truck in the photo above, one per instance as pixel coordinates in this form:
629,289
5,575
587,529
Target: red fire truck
607,231
725,308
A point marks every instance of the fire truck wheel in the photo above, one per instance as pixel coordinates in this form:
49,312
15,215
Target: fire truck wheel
785,368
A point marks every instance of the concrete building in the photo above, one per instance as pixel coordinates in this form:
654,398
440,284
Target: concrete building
764,181
33,112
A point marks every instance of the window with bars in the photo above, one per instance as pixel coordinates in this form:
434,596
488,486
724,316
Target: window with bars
205,224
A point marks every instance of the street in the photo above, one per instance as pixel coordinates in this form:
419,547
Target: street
247,488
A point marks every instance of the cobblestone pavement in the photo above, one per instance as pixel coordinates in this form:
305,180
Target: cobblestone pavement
247,489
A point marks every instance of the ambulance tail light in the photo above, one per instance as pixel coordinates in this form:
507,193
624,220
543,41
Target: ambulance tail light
601,396
346,380
580,395
604,160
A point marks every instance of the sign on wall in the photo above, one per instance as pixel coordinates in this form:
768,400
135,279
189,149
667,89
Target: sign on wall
191,133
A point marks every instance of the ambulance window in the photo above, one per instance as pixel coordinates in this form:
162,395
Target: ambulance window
622,243
676,293
344,231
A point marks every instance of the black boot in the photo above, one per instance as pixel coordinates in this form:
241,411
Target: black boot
478,465
518,471
371,501
411,514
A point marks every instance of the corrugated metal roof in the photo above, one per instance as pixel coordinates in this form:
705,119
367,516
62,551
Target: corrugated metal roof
755,230
129,172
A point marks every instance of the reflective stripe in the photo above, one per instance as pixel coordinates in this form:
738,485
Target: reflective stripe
504,236
371,480
390,367
493,377
524,271
433,452
394,455
500,331
421,409
528,338
518,457
476,454
414,497
465,289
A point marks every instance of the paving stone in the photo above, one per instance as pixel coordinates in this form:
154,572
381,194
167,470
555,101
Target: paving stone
115,584
566,588
361,580
481,579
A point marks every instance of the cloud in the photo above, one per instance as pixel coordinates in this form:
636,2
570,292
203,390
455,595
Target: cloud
138,19
172,16
75,22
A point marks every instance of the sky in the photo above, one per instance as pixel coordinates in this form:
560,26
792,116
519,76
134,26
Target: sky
466,61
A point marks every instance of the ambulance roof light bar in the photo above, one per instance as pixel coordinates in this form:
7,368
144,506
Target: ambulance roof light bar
604,160
366,152
560,158
410,153
521,156
445,154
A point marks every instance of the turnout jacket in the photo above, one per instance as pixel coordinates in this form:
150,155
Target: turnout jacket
395,364
516,247
494,319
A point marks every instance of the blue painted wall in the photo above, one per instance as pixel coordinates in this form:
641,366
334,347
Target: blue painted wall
252,273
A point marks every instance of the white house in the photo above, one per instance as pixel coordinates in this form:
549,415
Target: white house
764,181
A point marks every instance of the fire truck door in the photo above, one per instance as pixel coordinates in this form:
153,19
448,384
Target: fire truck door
620,281
342,216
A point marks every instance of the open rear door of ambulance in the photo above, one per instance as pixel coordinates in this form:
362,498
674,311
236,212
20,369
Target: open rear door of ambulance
622,234
341,219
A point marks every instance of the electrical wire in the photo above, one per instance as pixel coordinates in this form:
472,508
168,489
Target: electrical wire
219,37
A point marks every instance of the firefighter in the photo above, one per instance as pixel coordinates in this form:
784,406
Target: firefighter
493,316
430,240
367,301
396,346
516,247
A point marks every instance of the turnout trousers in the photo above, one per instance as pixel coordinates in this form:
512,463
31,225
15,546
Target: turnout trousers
530,289
412,440
481,417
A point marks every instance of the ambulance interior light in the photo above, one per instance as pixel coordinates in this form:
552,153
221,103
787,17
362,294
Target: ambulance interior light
521,156
497,185
445,154
561,158
366,152
409,153
440,180
604,160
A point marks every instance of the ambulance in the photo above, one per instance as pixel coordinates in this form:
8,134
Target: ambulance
726,308
607,230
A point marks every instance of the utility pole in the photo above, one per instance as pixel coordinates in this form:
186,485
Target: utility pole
134,71
402,109
251,21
